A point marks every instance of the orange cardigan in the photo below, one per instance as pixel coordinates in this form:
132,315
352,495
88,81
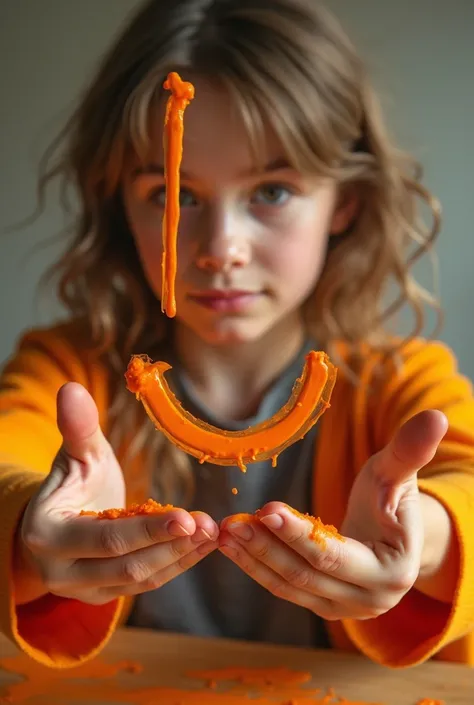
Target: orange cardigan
63,633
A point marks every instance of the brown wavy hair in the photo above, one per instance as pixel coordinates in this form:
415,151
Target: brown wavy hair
288,61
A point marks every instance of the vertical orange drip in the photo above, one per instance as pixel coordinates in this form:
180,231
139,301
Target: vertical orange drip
182,92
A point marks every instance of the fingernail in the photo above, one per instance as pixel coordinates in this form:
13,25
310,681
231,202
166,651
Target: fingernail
174,528
272,521
201,535
242,531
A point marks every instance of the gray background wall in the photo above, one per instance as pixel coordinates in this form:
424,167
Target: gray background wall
421,55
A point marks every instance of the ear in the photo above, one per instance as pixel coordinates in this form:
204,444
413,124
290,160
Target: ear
345,212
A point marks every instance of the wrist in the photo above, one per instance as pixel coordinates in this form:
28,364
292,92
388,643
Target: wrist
26,578
439,567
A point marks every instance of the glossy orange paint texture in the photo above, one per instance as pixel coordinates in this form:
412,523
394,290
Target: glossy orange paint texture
182,93
148,507
309,399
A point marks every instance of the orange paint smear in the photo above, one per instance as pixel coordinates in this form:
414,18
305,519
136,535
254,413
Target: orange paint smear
182,93
309,400
261,677
148,507
319,531
95,681
113,683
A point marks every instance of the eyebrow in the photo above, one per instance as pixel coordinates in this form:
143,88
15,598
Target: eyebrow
159,170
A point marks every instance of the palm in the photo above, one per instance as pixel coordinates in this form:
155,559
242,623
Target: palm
378,514
384,509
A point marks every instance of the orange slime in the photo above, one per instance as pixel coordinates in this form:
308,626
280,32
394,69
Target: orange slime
309,399
182,93
148,507
319,531
102,682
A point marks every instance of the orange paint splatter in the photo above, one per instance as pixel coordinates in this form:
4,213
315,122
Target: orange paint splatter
148,507
235,490
113,683
261,677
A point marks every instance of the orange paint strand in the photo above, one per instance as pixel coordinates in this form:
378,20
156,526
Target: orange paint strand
182,93
430,701
309,400
319,531
148,507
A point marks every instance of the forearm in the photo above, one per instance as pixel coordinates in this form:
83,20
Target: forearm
440,558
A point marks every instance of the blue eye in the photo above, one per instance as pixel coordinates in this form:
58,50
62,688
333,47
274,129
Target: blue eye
158,197
271,195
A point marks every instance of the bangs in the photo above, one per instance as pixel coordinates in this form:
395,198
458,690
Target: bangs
316,133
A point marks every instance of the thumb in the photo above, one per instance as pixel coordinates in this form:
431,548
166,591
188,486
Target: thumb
78,422
412,447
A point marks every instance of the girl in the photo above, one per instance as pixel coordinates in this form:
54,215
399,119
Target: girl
296,211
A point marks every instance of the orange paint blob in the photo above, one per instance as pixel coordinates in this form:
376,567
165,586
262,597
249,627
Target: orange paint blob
148,507
235,490
182,93
309,400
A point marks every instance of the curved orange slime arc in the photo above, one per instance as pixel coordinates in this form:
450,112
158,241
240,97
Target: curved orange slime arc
182,92
309,399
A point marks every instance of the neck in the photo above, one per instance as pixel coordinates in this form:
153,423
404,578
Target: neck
231,379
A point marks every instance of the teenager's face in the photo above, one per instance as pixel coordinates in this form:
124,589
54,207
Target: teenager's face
251,240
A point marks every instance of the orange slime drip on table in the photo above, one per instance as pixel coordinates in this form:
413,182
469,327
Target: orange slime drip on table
98,681
182,93
309,400
148,507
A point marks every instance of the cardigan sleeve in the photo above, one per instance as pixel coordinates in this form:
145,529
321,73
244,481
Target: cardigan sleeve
55,631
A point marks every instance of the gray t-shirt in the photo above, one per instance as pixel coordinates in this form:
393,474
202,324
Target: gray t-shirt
215,598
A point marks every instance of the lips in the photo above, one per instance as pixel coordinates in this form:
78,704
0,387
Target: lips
229,300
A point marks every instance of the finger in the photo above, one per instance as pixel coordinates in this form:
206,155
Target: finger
88,537
347,560
273,582
205,526
82,438
130,569
284,561
163,576
412,447
78,422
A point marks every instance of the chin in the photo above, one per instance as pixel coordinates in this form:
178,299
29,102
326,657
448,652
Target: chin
233,332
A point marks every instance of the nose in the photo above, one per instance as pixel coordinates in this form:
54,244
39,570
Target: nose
225,244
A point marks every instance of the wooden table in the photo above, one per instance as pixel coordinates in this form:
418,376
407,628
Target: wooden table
167,657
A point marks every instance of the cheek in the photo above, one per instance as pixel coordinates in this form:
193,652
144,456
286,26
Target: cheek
297,258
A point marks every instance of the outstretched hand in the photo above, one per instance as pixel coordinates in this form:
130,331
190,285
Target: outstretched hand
378,561
59,552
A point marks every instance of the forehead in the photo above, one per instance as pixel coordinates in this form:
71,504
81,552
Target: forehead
216,138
